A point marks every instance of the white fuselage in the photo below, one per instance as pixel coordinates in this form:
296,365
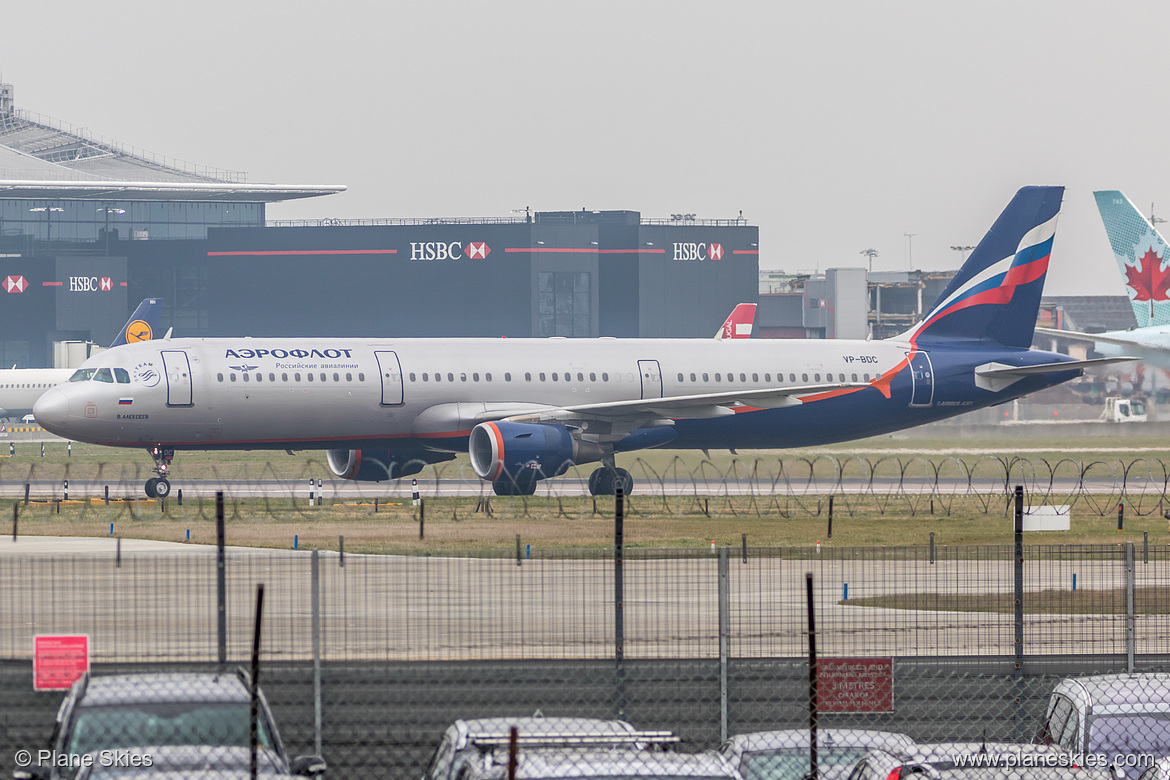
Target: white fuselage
21,387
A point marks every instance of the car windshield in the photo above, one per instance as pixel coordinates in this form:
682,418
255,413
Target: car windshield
794,763
1130,734
162,723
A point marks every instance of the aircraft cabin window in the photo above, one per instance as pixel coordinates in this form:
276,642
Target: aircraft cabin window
705,377
527,377
554,376
219,377
232,377
804,377
247,377
541,376
580,377
336,377
604,376
854,379
122,376
474,377
284,377
438,377
361,376
717,379
349,377
692,377
877,377
865,377
592,376
743,377
680,378
487,377
82,375
309,376
450,377
411,376
426,377
297,376
507,376
767,377
816,377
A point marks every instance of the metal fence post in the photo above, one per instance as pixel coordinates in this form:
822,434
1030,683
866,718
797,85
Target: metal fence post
724,637
1129,617
812,678
1021,719
316,597
220,580
619,588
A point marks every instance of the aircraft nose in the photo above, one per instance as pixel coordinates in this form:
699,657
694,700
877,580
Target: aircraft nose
52,410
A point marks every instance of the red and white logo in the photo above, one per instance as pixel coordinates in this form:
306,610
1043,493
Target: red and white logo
15,284
715,251
477,250
107,285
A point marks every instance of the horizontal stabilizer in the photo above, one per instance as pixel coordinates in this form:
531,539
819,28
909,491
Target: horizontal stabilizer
997,376
1101,338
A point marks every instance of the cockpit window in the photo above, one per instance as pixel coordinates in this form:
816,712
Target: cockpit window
82,375
122,376
103,375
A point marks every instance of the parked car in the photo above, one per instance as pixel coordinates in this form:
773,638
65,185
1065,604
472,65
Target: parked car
481,738
551,763
184,760
935,758
1158,770
128,711
1122,716
784,755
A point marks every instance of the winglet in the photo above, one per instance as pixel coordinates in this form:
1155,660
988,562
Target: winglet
738,324
142,323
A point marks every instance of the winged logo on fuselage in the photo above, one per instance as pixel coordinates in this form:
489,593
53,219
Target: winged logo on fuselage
244,368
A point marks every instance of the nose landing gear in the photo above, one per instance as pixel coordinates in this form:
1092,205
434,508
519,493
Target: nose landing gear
160,487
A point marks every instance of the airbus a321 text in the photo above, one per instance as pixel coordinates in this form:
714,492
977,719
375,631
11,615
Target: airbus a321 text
528,409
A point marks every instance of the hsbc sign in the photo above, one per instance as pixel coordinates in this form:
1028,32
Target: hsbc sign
697,251
449,250
90,284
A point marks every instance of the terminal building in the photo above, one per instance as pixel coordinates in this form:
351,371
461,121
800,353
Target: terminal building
89,226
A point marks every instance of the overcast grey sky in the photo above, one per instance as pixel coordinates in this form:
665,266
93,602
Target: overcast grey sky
834,126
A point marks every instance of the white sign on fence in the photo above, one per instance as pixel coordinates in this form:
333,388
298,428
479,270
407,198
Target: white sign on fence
1047,518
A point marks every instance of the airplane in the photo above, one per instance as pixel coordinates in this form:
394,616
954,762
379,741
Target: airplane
21,387
738,324
528,409
1141,256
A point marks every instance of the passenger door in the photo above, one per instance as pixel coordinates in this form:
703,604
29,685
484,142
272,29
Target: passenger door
390,371
922,378
651,376
177,369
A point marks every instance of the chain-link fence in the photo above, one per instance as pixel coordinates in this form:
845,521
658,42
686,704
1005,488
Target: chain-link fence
366,660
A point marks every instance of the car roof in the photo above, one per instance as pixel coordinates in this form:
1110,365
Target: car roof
151,687
1120,692
620,763
890,741
941,751
1024,773
462,731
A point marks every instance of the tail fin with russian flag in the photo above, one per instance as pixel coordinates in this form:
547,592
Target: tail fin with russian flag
1141,257
995,296
738,324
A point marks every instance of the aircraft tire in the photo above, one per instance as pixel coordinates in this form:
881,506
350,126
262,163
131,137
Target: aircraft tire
601,482
151,487
162,488
623,478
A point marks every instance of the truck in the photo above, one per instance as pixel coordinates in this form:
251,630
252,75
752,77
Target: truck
1122,410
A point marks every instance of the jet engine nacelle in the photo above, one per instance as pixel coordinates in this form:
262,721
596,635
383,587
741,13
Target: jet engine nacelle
521,450
380,465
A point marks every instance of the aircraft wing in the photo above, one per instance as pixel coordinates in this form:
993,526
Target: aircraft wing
1002,370
616,419
1104,338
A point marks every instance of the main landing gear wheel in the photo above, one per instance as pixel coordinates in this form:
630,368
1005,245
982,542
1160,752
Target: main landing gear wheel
605,481
159,487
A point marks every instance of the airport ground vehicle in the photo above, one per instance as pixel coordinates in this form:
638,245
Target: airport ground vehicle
107,712
549,763
784,755
468,740
1123,716
1124,410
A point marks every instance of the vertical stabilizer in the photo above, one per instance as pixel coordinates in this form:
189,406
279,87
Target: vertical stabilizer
738,324
1141,257
142,325
995,296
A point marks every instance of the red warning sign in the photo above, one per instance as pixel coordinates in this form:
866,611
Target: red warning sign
855,684
58,661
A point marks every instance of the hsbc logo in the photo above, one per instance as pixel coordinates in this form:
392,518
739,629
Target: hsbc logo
697,251
90,284
449,250
15,284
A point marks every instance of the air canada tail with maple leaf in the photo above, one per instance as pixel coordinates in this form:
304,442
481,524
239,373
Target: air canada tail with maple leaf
1141,257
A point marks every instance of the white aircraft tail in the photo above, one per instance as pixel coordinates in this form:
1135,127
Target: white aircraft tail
1141,256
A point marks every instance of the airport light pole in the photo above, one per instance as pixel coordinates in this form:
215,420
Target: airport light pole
910,248
962,250
871,254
